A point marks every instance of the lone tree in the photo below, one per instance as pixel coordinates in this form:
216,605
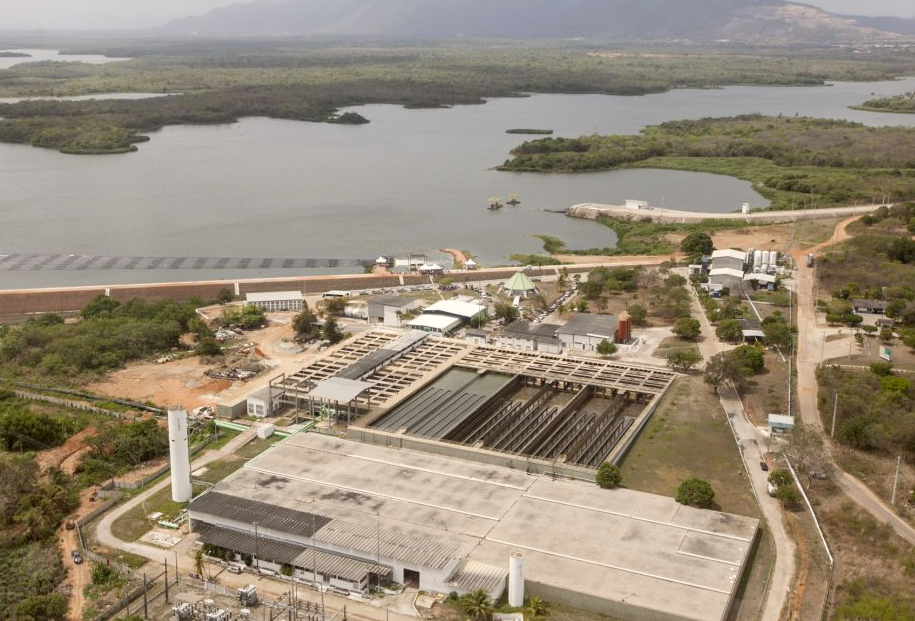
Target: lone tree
682,360
608,476
606,348
695,493
697,244
729,330
306,322
687,328
723,368
506,312
331,331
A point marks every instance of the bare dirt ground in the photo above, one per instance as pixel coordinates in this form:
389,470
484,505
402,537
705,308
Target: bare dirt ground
459,256
182,382
55,457
179,382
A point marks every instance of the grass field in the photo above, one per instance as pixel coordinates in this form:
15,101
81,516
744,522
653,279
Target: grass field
671,344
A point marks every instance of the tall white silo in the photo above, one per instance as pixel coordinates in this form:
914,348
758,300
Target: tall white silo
178,453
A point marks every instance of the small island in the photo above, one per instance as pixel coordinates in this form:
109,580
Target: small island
545,132
348,118
903,104
14,55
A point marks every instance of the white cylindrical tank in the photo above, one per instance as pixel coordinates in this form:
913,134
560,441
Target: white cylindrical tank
773,257
178,453
516,579
757,257
745,208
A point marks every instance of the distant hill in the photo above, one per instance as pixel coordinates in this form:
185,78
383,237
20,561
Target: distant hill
772,21
899,25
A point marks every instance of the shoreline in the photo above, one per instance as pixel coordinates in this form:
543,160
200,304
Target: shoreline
593,211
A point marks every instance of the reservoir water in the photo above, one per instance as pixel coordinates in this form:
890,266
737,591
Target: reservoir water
410,181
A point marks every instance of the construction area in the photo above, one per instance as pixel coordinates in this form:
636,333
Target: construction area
357,516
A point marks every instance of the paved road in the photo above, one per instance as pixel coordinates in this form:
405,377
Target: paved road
752,446
103,531
658,214
809,352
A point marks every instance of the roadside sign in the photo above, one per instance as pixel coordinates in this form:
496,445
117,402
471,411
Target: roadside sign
885,353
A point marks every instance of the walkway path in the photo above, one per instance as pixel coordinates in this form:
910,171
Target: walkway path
752,446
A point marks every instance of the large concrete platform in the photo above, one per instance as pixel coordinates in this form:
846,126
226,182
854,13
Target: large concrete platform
618,552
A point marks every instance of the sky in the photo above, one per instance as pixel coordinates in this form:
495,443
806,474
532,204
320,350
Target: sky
129,14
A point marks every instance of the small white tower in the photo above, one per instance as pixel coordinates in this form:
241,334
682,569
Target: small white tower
178,452
745,208
516,579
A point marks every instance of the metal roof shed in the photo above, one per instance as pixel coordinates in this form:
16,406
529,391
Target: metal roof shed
338,390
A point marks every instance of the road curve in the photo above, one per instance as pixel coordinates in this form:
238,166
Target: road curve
809,353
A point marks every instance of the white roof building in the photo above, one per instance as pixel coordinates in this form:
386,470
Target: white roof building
436,324
729,253
456,308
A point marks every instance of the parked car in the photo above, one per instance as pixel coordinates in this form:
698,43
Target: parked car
77,557
764,466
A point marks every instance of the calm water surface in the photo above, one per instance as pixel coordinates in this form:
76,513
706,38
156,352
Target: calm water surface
410,181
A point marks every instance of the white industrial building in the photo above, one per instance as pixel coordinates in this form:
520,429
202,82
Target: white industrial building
463,308
585,331
276,300
388,309
354,515
440,325
264,402
729,277
729,258
521,334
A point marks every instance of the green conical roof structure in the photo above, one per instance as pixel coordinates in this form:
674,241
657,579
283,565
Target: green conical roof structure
519,284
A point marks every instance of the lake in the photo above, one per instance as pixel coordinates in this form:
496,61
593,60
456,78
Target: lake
35,56
410,181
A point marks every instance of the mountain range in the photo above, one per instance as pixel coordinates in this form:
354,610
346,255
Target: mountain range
751,21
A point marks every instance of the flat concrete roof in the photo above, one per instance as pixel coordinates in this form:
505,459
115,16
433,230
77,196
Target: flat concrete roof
620,545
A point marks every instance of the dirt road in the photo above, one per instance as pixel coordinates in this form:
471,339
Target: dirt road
810,336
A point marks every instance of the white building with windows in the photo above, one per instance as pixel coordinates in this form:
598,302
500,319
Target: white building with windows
276,300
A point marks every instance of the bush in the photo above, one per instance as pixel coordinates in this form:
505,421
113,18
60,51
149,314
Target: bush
682,360
103,575
695,493
50,607
606,348
697,244
248,317
609,476
788,496
749,357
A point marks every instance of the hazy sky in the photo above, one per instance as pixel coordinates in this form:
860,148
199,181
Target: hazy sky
101,14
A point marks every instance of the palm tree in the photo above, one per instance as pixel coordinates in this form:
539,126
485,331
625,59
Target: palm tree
536,607
199,563
478,604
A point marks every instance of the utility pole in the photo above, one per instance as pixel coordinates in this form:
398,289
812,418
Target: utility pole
835,405
145,608
789,379
257,552
166,580
896,480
